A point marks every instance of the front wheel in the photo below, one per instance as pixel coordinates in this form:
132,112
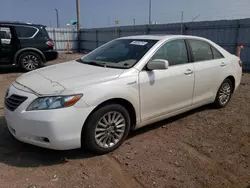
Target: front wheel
106,128
224,93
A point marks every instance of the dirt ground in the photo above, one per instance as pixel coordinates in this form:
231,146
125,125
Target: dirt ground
202,148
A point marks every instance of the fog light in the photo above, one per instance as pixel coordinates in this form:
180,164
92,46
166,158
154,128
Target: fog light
12,130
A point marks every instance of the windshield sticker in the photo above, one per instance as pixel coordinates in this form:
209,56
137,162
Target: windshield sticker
141,43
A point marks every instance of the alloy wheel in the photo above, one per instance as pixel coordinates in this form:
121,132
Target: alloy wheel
110,129
30,62
224,93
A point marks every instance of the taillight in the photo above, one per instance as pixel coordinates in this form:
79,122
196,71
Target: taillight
240,63
50,43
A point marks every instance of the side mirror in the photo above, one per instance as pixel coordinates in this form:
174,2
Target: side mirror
157,64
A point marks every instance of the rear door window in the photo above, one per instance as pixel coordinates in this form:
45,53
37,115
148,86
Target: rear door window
25,32
201,50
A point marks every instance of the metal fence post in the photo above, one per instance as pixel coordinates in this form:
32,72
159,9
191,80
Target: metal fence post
96,38
79,33
237,36
147,29
54,36
119,32
184,29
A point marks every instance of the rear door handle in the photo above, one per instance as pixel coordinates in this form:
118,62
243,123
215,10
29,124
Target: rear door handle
223,64
188,71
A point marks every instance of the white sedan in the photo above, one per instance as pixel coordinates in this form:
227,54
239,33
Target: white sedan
123,85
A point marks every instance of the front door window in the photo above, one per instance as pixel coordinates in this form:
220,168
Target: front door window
174,51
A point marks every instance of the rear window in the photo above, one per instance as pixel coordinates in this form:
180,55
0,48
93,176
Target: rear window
25,32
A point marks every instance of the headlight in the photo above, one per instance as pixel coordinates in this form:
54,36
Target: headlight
47,103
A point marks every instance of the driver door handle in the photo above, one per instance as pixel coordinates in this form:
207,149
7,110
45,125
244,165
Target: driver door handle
223,64
188,72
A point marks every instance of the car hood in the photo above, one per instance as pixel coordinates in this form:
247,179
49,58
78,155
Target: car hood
71,75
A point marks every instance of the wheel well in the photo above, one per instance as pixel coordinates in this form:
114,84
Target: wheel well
126,104
34,51
231,78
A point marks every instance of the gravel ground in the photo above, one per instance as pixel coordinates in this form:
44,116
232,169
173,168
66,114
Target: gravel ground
202,148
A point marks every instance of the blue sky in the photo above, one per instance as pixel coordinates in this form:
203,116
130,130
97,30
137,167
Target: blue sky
100,13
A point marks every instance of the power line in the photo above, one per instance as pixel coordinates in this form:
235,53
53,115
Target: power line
195,17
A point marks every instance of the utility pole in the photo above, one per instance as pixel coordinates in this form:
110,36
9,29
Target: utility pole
134,21
181,22
57,18
149,18
195,17
78,24
78,14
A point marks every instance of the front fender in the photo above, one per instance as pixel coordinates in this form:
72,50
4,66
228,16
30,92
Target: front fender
122,88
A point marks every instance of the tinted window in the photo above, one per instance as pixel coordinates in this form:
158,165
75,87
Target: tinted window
217,54
123,53
25,32
174,51
201,50
40,34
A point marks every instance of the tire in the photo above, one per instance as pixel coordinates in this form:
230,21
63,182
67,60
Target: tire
30,61
96,136
224,94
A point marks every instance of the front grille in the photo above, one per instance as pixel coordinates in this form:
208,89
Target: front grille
14,101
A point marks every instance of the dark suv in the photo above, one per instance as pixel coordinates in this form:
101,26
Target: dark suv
26,45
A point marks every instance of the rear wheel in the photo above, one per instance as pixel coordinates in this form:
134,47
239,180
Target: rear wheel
106,128
30,61
224,94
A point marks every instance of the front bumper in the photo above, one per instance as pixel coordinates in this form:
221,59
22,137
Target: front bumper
58,129
50,55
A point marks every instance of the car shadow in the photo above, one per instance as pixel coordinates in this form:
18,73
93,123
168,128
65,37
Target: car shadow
10,69
167,121
15,69
18,154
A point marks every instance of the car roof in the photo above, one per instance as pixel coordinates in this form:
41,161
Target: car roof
20,23
161,37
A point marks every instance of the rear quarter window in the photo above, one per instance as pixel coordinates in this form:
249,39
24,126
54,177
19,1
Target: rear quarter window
216,53
42,34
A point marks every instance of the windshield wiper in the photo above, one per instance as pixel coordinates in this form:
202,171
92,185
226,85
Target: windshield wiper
100,64
91,63
94,63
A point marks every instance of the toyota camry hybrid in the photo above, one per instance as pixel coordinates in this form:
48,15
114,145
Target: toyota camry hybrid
121,86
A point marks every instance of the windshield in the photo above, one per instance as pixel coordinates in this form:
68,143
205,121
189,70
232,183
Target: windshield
122,53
